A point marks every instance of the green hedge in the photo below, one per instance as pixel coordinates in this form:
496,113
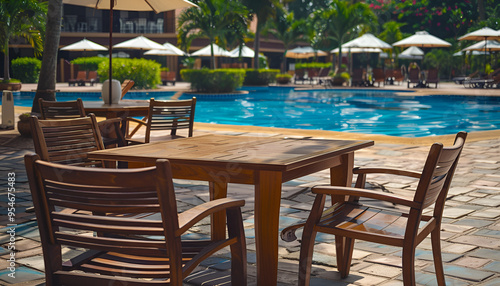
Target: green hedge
214,81
145,73
89,63
27,70
312,65
260,76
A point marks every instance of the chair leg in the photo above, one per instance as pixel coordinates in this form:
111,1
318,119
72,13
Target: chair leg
306,254
409,266
238,250
344,249
436,253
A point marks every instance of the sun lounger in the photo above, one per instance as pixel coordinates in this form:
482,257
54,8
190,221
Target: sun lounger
357,78
414,77
378,76
168,76
432,77
81,76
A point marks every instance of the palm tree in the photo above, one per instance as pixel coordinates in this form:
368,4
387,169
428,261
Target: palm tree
287,29
21,18
47,79
342,20
214,19
264,10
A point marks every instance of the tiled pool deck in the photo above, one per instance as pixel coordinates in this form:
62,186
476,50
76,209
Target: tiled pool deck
470,231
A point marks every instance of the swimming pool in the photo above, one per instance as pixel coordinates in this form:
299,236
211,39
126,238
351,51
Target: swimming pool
361,111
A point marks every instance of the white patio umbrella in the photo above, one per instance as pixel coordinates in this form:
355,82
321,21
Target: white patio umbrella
488,45
128,5
367,41
205,52
357,50
483,35
474,53
422,39
413,53
139,43
246,52
304,53
84,45
168,50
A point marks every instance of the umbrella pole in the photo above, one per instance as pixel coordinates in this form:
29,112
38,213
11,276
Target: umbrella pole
110,75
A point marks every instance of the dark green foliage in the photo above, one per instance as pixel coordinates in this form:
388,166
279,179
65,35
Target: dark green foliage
214,81
26,69
312,65
145,73
89,63
260,76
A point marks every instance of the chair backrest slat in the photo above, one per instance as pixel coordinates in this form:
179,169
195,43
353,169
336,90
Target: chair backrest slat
67,141
61,110
171,115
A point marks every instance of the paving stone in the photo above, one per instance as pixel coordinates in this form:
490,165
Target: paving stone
382,270
463,272
35,262
493,266
492,282
489,213
471,262
394,261
474,222
486,253
427,255
22,274
456,212
486,202
458,248
488,232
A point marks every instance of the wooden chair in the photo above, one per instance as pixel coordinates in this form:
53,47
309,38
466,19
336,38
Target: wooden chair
432,77
299,75
357,78
378,76
389,76
168,77
126,86
67,141
398,76
350,219
121,248
413,76
163,115
80,79
110,128
92,78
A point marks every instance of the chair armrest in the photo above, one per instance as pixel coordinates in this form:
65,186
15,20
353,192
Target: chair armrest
190,217
356,192
386,171
140,123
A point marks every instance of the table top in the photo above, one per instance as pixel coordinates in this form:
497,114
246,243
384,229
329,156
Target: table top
263,153
122,104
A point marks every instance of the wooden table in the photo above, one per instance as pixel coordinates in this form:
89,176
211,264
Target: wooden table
263,162
123,108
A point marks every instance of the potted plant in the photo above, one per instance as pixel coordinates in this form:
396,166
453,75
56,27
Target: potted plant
283,78
12,84
23,125
340,78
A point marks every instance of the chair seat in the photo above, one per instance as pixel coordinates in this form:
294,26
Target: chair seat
356,218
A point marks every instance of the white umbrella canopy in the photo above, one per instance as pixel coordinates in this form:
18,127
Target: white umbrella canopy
422,39
481,34
356,50
205,52
367,41
129,5
474,53
246,52
413,51
139,43
489,45
84,45
133,5
169,50
304,53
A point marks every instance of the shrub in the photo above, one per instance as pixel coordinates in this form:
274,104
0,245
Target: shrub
312,65
89,63
145,73
214,81
26,69
283,78
260,76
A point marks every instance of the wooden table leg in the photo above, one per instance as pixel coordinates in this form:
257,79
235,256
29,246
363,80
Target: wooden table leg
218,190
341,175
267,210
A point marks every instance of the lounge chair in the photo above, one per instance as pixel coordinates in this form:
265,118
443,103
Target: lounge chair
168,77
378,76
92,78
414,77
398,76
357,78
389,76
299,75
126,86
323,75
432,77
80,79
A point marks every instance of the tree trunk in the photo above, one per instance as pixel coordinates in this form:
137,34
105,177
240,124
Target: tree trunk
47,80
6,72
481,10
212,57
257,46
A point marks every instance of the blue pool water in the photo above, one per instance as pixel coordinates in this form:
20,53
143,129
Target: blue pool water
362,111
